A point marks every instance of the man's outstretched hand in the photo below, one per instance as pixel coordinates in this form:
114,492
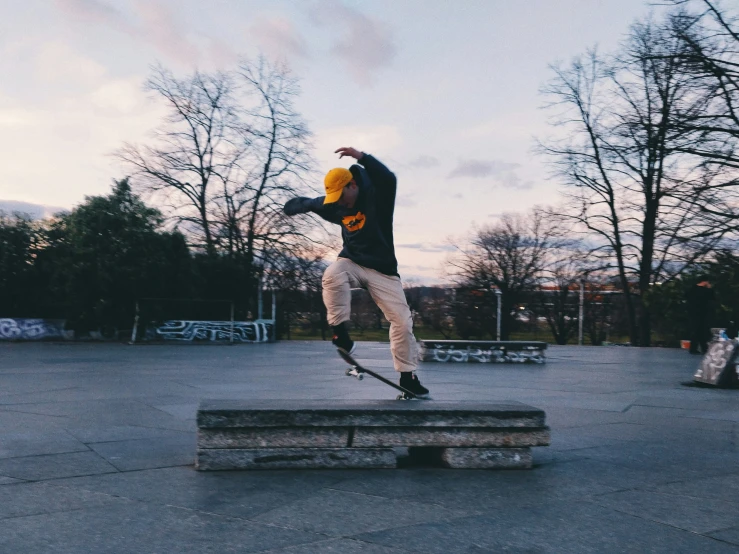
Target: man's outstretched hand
295,206
349,151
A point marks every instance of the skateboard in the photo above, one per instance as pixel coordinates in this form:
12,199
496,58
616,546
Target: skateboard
356,370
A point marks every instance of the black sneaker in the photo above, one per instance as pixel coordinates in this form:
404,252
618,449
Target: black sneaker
341,339
409,380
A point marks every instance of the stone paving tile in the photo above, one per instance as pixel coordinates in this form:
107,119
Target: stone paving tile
15,445
722,487
636,430
500,490
699,515
727,535
180,411
111,412
74,394
561,527
573,439
126,526
613,434
55,466
677,421
344,513
564,418
96,433
648,413
341,546
148,453
22,499
240,494
13,421
685,399
676,464
548,456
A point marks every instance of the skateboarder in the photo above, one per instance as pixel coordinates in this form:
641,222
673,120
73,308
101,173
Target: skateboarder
362,199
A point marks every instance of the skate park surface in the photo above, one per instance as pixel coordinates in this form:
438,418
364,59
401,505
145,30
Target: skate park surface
97,444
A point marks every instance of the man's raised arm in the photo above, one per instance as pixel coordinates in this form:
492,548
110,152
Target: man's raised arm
378,173
302,205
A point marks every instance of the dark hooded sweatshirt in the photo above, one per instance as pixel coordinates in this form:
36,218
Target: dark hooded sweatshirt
367,228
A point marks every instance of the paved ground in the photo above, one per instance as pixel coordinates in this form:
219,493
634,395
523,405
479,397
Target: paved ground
97,444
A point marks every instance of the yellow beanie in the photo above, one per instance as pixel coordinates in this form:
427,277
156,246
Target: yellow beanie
335,181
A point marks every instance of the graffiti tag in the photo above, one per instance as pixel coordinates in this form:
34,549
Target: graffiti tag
31,329
210,331
495,354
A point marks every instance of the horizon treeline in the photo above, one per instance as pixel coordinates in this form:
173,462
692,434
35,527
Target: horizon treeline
644,142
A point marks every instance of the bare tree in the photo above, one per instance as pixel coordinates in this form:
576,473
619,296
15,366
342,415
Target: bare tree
277,163
230,152
632,187
297,281
509,256
432,307
710,33
557,293
200,138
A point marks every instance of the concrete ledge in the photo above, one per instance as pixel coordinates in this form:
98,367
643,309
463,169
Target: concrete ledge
487,458
295,458
350,413
275,434
282,437
451,437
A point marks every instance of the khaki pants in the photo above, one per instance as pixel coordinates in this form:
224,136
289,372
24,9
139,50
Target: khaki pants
387,292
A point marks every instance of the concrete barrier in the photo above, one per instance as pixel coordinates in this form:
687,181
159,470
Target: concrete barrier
482,351
272,434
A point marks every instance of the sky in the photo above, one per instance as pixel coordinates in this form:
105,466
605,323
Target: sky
445,93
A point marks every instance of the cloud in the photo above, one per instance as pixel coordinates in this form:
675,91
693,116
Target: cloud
375,139
512,181
507,126
502,173
406,200
17,117
155,23
424,161
57,62
97,11
220,53
362,43
479,169
278,38
120,96
36,211
73,134
162,29
427,247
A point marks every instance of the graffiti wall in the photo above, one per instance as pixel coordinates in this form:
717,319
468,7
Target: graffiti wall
489,352
211,331
719,366
31,329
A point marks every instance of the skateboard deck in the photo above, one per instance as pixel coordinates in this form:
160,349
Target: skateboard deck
356,370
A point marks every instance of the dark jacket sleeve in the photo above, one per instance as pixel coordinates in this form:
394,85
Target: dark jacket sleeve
303,205
382,178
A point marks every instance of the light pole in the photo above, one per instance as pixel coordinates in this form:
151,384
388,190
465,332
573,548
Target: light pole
580,316
498,294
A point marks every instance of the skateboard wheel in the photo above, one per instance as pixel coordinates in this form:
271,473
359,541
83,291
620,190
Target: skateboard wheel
360,376
348,372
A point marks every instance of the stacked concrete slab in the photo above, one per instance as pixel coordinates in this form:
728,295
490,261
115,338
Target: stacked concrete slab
272,434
